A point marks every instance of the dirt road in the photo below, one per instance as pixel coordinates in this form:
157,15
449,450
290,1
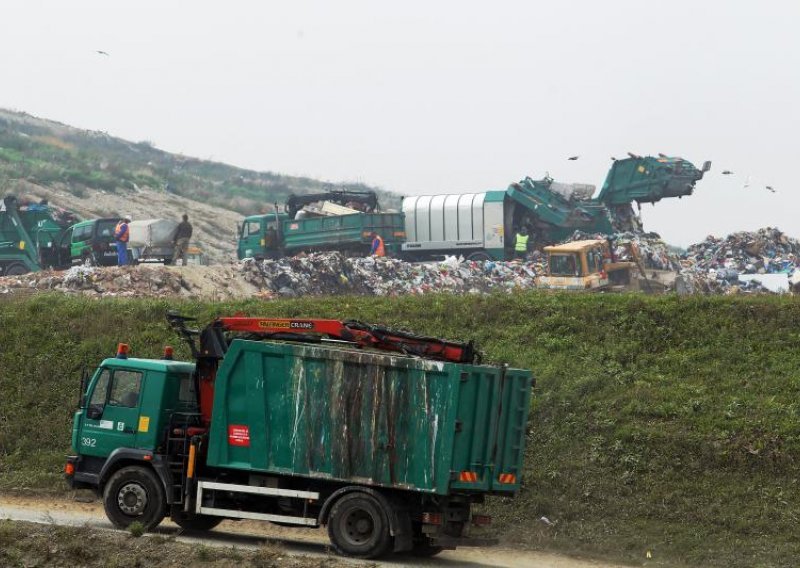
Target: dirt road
307,542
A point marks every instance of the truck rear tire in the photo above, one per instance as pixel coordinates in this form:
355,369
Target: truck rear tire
134,494
16,269
197,523
359,527
479,257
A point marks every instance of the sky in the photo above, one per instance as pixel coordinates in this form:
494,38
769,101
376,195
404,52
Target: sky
436,97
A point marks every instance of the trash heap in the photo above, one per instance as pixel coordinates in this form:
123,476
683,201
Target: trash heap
333,273
654,253
91,281
725,265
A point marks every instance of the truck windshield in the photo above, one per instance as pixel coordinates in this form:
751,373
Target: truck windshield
251,228
564,265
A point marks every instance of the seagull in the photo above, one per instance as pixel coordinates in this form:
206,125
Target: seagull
772,189
747,182
727,172
101,52
573,158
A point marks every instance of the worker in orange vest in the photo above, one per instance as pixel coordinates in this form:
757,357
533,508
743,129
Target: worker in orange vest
378,249
122,234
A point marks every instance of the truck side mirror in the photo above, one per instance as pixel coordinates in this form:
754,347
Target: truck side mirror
94,412
84,384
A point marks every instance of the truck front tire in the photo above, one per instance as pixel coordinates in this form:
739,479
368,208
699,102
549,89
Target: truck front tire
358,526
134,494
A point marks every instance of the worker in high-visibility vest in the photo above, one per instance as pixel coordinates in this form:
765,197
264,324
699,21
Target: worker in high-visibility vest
521,243
378,248
122,234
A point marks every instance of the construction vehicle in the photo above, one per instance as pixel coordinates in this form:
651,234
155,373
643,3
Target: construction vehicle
345,222
482,226
384,437
584,265
29,237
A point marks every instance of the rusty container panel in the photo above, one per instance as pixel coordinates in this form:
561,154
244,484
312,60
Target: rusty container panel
354,416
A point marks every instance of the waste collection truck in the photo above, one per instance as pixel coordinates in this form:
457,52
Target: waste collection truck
29,237
386,438
344,221
482,226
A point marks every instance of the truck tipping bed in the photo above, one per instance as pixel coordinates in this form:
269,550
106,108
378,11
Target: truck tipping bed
369,418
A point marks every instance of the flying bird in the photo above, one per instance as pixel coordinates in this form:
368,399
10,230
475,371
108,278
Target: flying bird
772,189
727,172
573,158
101,52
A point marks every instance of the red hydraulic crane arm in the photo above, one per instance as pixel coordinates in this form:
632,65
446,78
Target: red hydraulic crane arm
365,335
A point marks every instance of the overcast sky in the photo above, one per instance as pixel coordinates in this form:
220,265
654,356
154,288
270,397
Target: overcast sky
436,97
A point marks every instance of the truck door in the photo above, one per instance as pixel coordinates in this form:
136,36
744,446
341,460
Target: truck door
79,245
64,246
112,414
252,240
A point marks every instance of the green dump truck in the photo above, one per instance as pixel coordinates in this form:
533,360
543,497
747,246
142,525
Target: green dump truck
29,237
385,438
348,230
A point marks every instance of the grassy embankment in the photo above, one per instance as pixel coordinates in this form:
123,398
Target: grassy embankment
659,424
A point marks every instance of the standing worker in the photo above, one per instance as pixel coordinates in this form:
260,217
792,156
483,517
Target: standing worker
122,234
378,249
181,240
521,243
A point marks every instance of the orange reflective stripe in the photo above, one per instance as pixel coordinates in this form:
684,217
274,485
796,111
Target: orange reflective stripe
468,477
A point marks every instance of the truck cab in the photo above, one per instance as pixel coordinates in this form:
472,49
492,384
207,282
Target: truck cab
583,265
90,242
260,236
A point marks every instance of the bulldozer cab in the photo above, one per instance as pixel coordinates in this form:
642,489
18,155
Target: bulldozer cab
583,265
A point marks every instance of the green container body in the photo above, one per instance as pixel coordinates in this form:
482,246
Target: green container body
344,231
369,418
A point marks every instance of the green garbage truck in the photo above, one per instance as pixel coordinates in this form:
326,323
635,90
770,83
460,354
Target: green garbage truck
348,230
29,237
386,438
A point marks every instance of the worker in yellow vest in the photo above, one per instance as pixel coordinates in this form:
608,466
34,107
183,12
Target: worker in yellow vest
521,243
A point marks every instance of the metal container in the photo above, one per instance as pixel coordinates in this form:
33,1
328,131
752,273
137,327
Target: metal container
369,418
458,222
343,232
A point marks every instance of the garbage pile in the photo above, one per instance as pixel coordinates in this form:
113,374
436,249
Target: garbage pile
91,281
333,273
744,262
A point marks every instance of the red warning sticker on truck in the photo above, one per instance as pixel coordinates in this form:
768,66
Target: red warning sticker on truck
239,435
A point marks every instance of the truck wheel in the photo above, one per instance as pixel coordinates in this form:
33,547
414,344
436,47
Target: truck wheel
479,257
359,527
16,269
134,494
197,522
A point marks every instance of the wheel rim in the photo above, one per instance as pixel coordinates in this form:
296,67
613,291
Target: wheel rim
359,527
132,499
